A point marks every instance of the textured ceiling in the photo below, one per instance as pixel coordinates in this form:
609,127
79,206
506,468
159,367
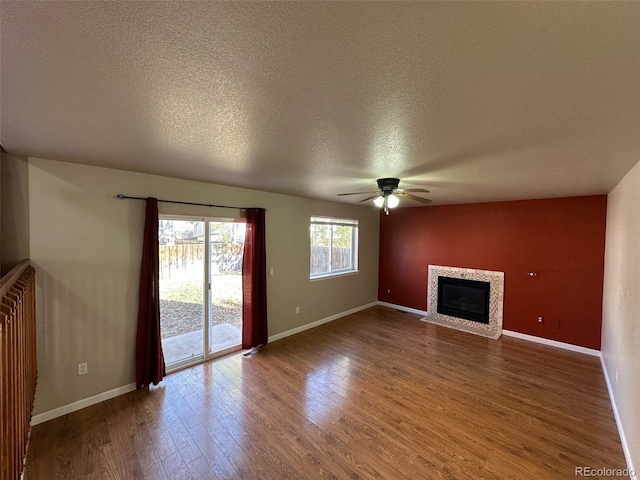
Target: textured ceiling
476,101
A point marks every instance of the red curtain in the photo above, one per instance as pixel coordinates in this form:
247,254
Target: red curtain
150,366
254,281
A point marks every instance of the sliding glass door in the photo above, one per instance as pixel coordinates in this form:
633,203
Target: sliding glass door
225,273
200,288
182,299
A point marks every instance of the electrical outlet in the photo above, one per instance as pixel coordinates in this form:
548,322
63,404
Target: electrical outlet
271,272
297,309
83,368
616,375
540,320
388,290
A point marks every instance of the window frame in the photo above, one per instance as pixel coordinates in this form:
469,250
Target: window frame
355,233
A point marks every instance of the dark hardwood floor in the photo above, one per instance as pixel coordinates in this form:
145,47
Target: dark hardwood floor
377,394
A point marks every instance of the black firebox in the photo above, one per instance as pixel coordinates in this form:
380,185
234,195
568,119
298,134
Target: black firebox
468,299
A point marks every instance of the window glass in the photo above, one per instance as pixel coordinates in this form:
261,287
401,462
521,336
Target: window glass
334,246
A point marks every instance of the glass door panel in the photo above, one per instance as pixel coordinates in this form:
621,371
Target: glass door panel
182,254
225,273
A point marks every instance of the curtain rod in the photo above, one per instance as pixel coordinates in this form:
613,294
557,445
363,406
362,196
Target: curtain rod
122,197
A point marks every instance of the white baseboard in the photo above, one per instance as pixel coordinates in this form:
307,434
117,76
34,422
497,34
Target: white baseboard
565,346
623,438
101,397
552,343
322,321
510,333
402,308
595,353
80,404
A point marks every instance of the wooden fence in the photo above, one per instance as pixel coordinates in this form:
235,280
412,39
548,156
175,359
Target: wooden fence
339,258
178,257
175,259
18,370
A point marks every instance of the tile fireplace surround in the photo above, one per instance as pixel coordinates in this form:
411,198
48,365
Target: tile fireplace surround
496,297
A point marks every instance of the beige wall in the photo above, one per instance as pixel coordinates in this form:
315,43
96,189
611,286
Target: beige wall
14,208
86,246
621,305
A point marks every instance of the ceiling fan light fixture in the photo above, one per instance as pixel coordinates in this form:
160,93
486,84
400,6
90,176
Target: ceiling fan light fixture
388,195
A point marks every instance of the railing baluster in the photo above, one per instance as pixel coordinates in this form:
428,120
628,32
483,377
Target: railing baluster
18,371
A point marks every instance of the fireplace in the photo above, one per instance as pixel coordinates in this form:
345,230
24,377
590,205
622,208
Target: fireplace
461,298
472,300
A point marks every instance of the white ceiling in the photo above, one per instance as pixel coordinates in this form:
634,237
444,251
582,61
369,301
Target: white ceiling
476,101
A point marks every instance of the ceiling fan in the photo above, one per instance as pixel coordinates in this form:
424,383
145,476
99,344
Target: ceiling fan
388,192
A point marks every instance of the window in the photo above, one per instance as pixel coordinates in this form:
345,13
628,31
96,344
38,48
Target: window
334,246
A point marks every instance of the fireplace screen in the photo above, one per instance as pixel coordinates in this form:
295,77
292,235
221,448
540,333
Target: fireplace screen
468,299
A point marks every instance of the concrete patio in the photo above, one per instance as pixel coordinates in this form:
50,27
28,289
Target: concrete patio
190,344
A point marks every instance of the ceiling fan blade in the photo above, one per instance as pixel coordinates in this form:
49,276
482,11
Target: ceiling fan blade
354,193
415,197
415,190
369,198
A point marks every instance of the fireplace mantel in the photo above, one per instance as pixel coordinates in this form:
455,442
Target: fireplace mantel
496,299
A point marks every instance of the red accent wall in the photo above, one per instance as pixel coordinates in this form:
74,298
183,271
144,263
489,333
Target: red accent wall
561,238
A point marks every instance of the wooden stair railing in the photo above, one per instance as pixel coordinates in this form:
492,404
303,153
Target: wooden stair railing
18,372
